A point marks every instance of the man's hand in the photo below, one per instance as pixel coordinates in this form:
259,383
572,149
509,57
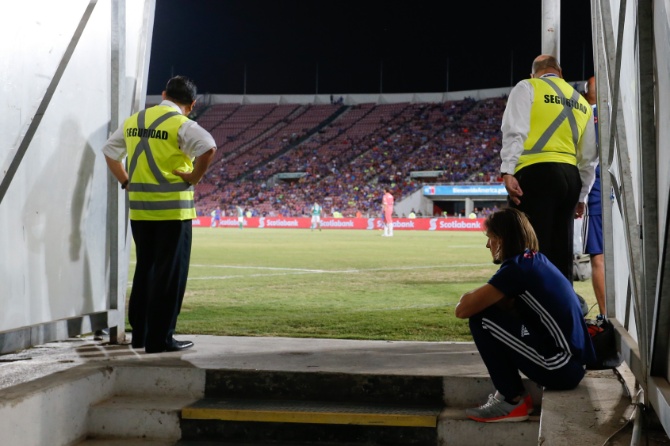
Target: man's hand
187,176
579,210
201,164
513,188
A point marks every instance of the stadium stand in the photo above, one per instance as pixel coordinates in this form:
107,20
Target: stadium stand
276,159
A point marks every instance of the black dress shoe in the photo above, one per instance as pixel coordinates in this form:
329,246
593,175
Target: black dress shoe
179,345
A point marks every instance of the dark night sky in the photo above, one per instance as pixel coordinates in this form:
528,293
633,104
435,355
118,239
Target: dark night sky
358,47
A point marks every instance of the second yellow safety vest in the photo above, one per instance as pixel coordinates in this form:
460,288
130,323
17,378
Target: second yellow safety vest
558,117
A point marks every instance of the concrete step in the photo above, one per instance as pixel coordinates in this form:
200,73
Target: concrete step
148,417
145,406
310,422
453,391
243,406
344,408
231,422
170,379
314,412
234,432
455,429
595,411
323,386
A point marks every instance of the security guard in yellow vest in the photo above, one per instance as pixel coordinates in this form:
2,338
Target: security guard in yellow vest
549,157
161,145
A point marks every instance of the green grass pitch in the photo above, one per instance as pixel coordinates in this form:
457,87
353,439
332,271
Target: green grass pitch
345,284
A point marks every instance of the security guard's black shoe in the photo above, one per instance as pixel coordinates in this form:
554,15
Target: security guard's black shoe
179,345
174,346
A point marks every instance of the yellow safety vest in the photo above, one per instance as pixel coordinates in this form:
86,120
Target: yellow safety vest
558,117
155,193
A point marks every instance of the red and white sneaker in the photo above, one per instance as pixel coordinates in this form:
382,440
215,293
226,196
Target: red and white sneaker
498,411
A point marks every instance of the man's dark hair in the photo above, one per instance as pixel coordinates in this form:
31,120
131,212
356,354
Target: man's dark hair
514,231
181,90
543,64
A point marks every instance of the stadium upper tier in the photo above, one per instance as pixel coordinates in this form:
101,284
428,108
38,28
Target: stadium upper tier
277,159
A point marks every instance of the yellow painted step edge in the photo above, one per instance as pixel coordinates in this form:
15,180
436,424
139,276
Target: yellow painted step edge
279,416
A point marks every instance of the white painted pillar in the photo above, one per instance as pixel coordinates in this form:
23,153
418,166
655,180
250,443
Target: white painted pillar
551,28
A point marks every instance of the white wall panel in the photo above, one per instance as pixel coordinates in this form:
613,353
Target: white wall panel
641,171
55,258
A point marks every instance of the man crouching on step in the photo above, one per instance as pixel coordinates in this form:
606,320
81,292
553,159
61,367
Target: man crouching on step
526,319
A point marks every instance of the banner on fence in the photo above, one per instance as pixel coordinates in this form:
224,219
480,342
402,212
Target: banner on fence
400,224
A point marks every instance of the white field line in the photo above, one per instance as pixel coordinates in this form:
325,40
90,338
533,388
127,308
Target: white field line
300,271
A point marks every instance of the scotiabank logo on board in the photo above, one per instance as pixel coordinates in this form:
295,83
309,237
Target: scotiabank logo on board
229,222
281,223
338,223
473,224
403,224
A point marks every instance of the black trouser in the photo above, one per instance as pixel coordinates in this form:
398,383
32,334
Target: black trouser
550,195
163,254
507,348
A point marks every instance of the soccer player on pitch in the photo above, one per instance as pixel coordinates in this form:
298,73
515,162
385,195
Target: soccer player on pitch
387,206
316,216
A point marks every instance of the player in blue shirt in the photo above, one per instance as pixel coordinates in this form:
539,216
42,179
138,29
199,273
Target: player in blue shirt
526,319
592,226
216,217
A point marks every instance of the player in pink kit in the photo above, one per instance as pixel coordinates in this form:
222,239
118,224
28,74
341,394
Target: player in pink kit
387,205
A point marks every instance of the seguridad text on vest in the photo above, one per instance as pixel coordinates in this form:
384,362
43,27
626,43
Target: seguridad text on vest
147,133
554,99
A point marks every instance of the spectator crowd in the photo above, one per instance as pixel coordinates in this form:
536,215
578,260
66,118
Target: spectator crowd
344,156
